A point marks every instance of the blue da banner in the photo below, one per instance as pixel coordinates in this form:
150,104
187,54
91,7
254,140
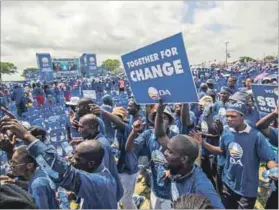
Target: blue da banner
88,63
45,66
91,62
266,97
161,70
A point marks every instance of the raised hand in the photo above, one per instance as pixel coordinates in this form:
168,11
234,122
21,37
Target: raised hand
138,126
196,136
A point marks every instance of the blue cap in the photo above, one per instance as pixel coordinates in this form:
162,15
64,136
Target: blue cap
237,107
107,98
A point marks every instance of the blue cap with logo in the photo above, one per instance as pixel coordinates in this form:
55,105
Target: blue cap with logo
237,107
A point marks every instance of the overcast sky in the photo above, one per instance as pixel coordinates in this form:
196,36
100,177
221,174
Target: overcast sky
111,29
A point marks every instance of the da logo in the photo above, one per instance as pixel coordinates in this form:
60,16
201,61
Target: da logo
45,60
235,150
153,93
275,91
91,59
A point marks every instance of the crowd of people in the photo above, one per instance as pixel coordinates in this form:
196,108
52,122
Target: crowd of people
203,155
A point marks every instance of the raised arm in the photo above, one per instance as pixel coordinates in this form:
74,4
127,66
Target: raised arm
160,132
264,123
209,147
185,115
107,115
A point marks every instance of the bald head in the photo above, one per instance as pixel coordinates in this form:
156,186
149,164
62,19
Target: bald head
88,126
89,119
91,151
186,146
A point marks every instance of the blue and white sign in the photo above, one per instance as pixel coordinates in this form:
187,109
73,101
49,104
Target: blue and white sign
45,66
89,94
161,70
91,62
266,97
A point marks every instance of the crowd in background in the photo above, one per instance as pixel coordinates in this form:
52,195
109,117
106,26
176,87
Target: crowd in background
197,155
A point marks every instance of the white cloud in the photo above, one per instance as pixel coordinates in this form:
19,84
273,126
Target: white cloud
111,29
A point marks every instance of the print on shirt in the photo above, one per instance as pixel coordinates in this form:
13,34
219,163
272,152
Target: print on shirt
159,160
236,153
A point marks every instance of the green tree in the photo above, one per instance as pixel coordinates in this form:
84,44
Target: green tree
246,58
111,64
29,69
269,57
7,68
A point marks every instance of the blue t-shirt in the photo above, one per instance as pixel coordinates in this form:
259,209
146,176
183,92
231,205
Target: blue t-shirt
127,162
110,164
159,186
107,123
243,152
196,183
98,189
179,128
43,190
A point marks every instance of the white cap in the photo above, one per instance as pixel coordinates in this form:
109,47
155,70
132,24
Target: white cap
73,101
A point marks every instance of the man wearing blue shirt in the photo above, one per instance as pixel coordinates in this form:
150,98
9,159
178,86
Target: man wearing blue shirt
184,119
88,129
107,105
243,148
87,177
18,97
272,134
127,162
160,187
231,83
40,186
187,177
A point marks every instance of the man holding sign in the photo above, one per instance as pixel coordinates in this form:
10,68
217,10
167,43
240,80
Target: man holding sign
160,70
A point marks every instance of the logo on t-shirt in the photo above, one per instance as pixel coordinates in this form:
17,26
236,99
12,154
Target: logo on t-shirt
236,153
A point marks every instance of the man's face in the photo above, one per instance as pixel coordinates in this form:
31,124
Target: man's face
132,108
85,130
224,96
166,121
173,158
177,108
77,161
82,109
248,83
234,119
18,165
231,82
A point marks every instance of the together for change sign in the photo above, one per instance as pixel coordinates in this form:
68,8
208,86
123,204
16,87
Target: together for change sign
266,97
161,70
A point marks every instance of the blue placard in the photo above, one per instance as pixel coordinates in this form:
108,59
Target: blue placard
91,62
161,70
45,66
266,97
